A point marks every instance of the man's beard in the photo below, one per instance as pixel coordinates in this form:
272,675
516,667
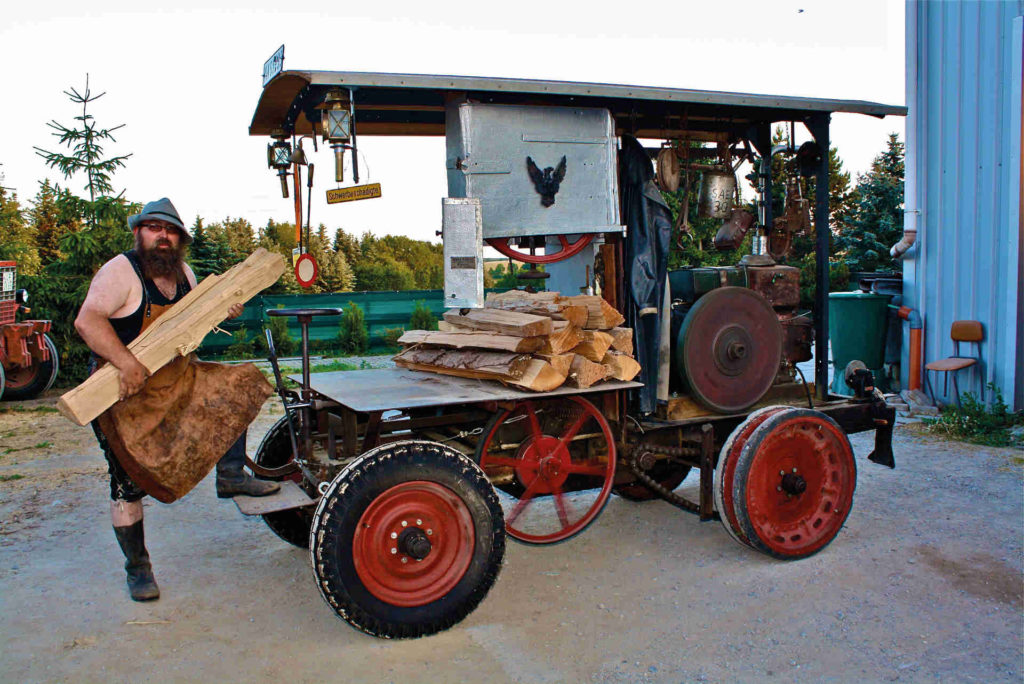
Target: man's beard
160,263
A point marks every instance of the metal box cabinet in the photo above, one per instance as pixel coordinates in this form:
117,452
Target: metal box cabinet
463,253
487,147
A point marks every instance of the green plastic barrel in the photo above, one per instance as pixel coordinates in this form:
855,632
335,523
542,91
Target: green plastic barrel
856,328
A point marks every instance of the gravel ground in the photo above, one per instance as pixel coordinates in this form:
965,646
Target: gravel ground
924,584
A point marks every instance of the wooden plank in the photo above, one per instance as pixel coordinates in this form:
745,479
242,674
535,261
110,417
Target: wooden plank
179,331
560,362
584,373
474,340
504,322
620,366
445,326
538,304
490,363
594,346
622,340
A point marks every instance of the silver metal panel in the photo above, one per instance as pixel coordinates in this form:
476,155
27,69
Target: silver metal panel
963,185
290,496
487,148
463,253
585,90
383,389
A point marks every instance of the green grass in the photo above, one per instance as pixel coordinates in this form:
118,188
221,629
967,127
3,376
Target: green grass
976,422
28,410
10,478
43,445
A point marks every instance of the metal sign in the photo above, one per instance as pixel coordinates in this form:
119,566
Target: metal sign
306,270
273,66
356,192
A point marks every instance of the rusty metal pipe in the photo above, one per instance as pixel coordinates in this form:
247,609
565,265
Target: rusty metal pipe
916,350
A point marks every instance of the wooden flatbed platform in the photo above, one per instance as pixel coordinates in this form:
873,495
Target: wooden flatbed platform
383,389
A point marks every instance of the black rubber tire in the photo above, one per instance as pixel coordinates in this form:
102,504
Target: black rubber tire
45,373
666,473
275,450
349,496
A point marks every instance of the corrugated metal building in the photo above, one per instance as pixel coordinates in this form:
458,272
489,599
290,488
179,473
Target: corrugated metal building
963,183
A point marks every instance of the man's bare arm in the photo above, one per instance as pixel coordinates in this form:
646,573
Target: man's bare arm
108,292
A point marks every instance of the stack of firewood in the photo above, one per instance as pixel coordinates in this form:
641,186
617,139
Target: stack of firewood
536,341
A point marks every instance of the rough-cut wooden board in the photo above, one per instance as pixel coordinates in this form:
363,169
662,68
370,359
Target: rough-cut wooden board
562,340
539,304
623,340
504,364
594,346
445,326
179,331
584,373
560,362
540,376
504,322
601,314
473,340
620,366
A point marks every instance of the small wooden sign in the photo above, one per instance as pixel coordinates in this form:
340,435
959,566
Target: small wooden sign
356,192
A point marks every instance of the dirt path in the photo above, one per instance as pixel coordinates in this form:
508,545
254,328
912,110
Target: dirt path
924,584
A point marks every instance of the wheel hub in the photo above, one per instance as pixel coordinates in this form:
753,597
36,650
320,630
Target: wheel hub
413,542
538,459
793,484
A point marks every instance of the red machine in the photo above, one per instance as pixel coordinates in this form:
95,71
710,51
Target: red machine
28,357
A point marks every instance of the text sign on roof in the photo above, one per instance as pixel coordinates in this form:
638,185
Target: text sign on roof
273,66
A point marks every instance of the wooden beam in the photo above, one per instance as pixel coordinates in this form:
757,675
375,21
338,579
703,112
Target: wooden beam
504,322
473,340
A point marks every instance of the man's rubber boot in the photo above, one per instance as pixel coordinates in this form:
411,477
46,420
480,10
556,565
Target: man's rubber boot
141,583
232,480
229,485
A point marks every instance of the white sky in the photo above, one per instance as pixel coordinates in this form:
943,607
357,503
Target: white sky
186,81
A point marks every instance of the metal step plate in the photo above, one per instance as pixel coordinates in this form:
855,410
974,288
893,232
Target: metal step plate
290,496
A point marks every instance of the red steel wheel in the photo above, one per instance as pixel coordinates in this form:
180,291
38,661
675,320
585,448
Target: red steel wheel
555,463
568,249
794,483
413,543
726,469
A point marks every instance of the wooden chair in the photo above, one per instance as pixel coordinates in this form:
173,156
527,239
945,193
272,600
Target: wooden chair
970,332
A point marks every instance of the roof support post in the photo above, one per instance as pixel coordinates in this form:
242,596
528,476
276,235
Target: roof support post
818,126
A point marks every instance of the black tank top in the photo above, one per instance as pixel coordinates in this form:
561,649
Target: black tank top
128,327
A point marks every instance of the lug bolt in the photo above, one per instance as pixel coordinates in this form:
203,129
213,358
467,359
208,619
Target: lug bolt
394,535
405,524
430,531
418,521
394,550
778,489
794,470
781,472
404,559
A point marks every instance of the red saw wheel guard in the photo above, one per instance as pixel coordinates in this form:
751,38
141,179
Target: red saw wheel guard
543,462
504,245
392,575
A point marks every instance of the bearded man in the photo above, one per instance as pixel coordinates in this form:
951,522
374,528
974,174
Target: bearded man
126,295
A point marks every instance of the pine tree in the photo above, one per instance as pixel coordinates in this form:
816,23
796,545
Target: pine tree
209,252
876,222
53,215
85,143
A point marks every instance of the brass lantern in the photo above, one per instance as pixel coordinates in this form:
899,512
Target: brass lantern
337,127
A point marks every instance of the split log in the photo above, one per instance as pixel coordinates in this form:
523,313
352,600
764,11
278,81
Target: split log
538,304
583,373
600,314
465,363
620,366
565,338
623,340
504,322
594,346
177,332
540,376
560,362
473,340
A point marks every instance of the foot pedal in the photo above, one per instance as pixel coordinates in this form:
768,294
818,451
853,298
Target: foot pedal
288,497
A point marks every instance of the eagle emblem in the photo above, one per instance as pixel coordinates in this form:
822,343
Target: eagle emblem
547,181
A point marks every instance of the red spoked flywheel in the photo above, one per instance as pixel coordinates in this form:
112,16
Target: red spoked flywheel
793,484
506,246
554,461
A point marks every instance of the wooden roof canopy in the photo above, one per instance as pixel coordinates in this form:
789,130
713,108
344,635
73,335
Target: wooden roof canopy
413,105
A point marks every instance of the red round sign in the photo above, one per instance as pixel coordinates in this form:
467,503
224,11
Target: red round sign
306,270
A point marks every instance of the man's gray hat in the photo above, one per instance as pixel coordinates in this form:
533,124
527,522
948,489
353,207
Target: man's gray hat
160,210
